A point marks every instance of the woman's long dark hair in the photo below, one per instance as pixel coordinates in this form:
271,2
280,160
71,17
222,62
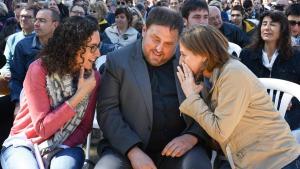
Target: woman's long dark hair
71,36
284,45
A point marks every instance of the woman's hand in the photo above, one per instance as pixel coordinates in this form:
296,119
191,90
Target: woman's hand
187,81
84,87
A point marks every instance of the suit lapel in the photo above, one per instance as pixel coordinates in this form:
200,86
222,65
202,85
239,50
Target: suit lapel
141,75
180,93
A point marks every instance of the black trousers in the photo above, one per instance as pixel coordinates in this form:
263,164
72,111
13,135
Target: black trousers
196,158
6,117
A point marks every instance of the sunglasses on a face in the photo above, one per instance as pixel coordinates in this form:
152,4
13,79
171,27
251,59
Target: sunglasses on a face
278,7
121,3
293,23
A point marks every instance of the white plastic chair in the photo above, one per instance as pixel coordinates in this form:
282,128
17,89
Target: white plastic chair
88,142
281,92
279,87
234,48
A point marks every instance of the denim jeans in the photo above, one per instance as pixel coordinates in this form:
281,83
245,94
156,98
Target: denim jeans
294,164
23,157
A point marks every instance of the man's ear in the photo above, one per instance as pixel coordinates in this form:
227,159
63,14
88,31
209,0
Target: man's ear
144,30
185,22
56,24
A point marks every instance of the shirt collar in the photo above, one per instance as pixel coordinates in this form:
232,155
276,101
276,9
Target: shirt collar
27,33
36,43
269,64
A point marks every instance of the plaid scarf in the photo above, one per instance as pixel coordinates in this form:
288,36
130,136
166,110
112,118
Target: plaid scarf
59,90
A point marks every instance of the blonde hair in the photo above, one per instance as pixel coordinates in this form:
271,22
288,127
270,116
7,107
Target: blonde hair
139,22
207,41
101,9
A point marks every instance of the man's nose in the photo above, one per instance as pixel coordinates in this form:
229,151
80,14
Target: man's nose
159,47
97,53
180,60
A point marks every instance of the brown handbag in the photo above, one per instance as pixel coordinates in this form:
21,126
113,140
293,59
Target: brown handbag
4,90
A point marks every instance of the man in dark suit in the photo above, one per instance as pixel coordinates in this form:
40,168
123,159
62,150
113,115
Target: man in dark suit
138,106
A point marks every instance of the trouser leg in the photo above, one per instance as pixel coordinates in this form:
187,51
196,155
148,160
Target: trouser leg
18,157
111,159
6,117
69,158
196,158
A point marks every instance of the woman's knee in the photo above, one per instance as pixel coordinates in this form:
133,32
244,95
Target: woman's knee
197,157
112,160
68,158
18,157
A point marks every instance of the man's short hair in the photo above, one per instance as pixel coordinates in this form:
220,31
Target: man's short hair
216,3
33,8
84,9
293,9
140,7
238,8
192,5
54,14
165,17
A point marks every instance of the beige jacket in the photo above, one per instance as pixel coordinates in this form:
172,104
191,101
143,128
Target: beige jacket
240,115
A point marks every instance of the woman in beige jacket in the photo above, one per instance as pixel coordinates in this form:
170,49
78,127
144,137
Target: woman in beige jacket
233,107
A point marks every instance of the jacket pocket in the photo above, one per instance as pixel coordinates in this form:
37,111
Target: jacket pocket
245,149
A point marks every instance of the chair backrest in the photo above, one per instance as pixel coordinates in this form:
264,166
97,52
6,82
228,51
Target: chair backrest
281,92
234,48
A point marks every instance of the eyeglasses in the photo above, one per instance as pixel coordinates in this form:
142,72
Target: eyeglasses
93,11
121,3
26,16
93,48
78,13
293,23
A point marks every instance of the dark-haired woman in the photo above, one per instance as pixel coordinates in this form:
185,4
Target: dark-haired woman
234,107
271,55
122,33
57,102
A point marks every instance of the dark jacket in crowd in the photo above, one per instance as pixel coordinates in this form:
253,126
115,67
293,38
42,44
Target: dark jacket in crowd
234,34
64,11
25,53
283,68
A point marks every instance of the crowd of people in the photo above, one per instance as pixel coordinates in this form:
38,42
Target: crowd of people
171,81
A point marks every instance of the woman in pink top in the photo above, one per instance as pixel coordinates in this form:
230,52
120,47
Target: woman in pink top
57,102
